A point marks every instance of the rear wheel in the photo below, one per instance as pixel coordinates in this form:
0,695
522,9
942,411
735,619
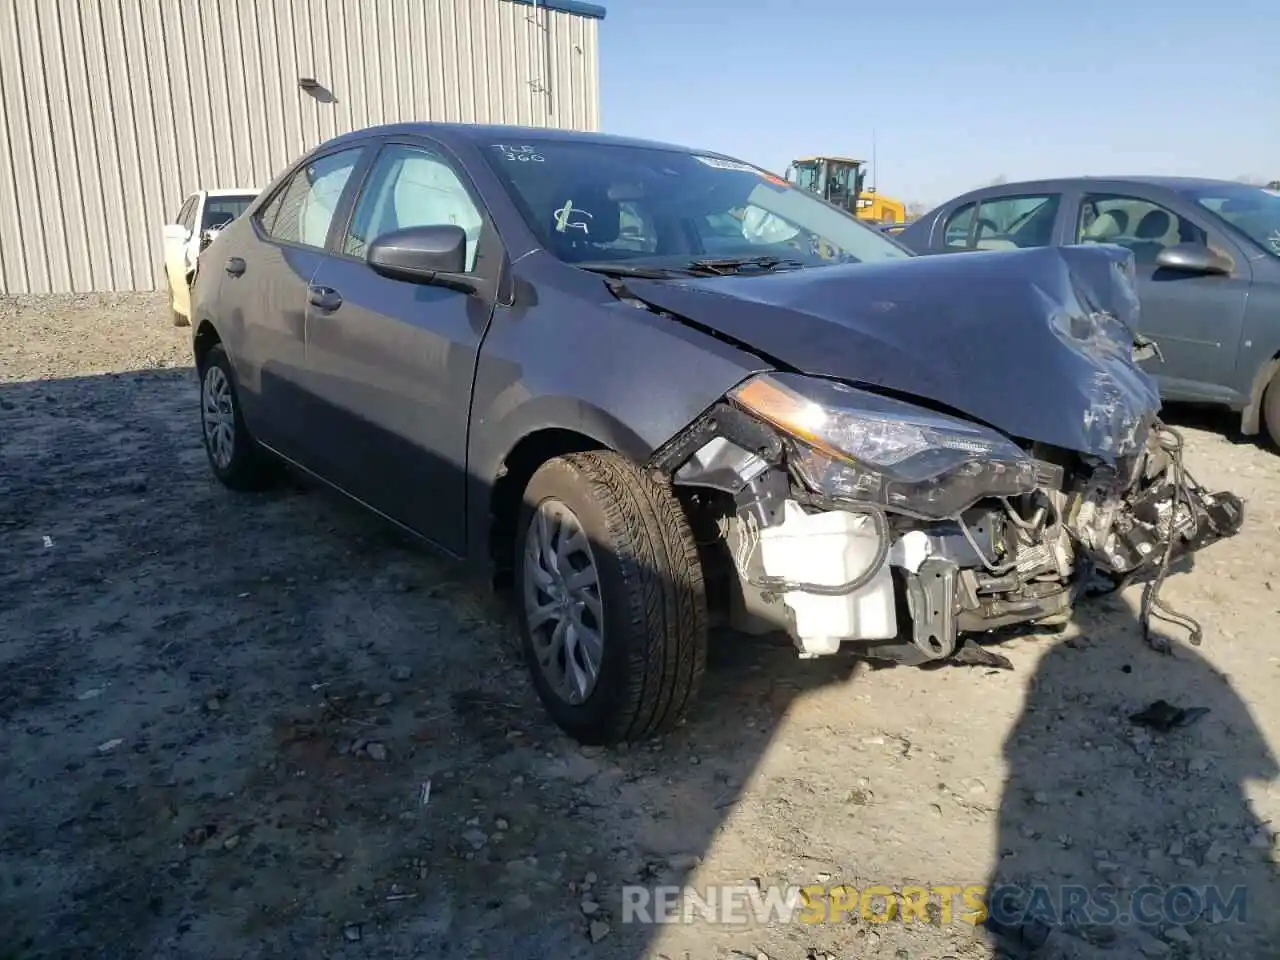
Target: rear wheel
612,605
237,460
1271,409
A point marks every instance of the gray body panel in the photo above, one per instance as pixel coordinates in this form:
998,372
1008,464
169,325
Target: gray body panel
1217,334
409,397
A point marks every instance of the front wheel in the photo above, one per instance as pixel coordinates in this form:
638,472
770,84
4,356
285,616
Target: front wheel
613,609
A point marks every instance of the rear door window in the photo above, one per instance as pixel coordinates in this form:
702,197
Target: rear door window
302,210
958,227
1012,223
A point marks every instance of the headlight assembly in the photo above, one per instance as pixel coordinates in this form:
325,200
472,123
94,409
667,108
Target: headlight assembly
860,446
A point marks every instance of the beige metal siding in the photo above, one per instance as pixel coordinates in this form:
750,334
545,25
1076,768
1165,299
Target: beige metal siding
113,111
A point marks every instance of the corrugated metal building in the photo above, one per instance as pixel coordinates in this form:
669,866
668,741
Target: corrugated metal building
113,111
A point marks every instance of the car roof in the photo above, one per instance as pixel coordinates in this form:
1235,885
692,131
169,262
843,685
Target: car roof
821,157
1160,182
501,133
233,192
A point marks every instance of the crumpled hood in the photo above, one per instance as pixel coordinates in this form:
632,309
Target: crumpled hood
1035,342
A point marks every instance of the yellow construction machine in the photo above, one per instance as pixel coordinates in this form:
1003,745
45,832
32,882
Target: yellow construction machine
841,180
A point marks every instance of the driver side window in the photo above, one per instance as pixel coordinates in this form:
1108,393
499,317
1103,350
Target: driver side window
412,186
302,211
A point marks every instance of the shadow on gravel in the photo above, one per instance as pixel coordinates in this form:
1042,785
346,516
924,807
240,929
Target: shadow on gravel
268,725
1170,857
1212,419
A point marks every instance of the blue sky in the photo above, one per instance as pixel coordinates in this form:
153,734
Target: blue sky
958,92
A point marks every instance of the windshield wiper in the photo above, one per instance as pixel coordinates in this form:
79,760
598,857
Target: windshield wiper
631,270
709,267
722,266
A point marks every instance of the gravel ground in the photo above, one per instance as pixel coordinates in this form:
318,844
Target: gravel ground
266,726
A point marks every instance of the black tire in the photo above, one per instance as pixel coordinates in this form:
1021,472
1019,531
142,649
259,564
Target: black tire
1271,410
652,597
249,467
179,320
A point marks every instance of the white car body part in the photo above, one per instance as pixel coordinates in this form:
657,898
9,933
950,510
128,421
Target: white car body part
182,240
830,549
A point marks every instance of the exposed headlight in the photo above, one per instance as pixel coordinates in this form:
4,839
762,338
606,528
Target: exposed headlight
861,446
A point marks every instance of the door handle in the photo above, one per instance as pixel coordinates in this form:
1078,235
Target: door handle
325,298
235,266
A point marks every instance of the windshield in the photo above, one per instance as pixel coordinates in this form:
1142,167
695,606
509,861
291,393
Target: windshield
1253,211
606,203
219,211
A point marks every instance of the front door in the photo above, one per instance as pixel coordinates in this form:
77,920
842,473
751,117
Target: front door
1196,320
390,363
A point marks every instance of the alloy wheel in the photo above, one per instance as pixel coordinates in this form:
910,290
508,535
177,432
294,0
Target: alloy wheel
562,602
218,409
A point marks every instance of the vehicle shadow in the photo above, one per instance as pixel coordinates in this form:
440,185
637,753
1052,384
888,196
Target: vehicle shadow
271,724
1170,856
256,725
1212,419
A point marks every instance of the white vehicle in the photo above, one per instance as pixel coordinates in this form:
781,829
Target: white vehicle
202,215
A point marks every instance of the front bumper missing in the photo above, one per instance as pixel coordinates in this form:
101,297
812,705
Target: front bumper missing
834,573
942,579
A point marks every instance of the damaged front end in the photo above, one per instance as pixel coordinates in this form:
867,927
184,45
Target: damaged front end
846,516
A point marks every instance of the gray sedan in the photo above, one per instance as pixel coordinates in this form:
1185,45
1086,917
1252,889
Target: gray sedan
1207,261
643,385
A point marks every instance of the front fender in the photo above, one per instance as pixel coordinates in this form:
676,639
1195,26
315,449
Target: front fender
569,356
522,419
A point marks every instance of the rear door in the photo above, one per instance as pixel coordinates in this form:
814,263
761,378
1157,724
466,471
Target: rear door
1196,320
390,363
263,296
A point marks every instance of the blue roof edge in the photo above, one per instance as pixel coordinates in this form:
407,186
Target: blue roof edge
578,7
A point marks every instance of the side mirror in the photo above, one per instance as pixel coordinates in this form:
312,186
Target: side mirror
434,255
1194,258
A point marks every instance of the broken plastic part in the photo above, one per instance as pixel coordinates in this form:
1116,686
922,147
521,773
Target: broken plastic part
688,458
764,499
832,572
721,464
1163,716
931,594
